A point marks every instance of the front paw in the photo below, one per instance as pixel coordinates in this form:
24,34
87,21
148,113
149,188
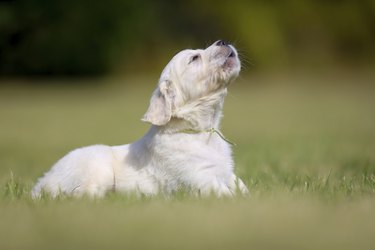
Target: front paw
237,186
216,188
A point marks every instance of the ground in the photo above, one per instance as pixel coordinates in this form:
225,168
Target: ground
305,148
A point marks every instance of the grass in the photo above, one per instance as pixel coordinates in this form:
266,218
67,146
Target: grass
305,149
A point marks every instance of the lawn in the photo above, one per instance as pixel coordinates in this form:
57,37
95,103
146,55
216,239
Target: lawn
305,148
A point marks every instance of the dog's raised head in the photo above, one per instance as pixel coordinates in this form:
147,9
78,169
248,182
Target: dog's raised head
190,75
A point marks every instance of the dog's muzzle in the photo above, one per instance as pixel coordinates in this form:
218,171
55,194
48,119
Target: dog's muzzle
228,47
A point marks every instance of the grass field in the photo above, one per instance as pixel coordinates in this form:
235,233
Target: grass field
306,149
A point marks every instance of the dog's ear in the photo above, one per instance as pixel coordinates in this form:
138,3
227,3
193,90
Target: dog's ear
160,110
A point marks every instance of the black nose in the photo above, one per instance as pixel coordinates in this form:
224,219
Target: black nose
221,43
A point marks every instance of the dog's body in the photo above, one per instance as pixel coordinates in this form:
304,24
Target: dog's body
182,149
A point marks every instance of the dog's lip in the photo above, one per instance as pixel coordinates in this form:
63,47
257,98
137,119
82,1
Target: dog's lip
231,54
231,59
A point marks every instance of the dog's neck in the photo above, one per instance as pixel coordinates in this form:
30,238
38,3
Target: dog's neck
201,114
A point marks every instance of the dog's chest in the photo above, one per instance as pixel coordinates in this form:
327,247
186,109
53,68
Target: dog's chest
193,152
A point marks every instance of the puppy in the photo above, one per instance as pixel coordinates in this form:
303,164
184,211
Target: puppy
183,149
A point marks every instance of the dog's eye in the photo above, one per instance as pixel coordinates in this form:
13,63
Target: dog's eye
194,58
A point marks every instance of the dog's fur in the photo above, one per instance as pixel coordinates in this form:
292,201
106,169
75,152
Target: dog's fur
189,97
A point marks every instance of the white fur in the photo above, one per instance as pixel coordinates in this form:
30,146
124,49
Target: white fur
190,95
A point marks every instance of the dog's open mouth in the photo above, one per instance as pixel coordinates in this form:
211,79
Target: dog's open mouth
231,55
231,62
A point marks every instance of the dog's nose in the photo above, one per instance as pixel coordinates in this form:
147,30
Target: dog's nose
222,43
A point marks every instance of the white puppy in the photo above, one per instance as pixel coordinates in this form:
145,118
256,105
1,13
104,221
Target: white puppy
183,148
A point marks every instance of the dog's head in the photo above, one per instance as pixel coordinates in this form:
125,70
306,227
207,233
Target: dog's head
190,75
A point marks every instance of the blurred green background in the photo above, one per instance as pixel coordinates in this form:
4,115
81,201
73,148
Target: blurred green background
76,73
78,37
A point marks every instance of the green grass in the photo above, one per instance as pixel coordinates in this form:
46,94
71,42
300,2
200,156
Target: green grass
306,149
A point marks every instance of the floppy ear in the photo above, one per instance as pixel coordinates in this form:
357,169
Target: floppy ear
160,110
